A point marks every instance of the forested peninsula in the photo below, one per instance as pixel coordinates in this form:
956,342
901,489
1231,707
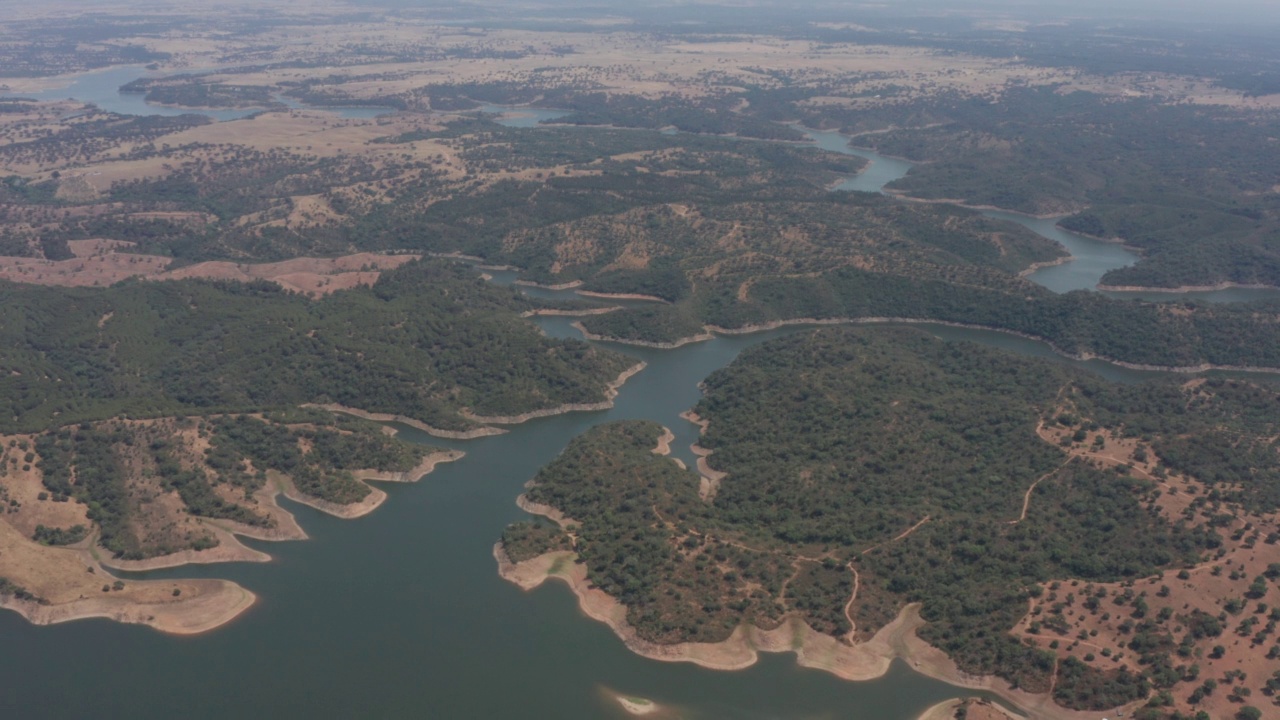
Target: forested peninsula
1053,530
149,423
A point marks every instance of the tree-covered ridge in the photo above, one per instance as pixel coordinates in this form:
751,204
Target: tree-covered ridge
912,464
646,538
318,457
1078,323
140,478
669,248
1224,432
484,181
428,340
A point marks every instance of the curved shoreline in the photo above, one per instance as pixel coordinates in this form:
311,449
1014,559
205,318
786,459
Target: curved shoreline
611,392
570,313
376,497
1082,357
192,616
711,477
741,650
622,296
901,195
229,549
1035,266
562,286
1225,285
863,661
588,335
404,420
208,603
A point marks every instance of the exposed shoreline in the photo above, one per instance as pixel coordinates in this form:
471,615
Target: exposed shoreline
1033,267
863,661
587,334
711,477
857,662
622,296
901,195
416,424
562,286
222,603
611,392
1082,357
376,497
1225,285
570,313
946,709
207,603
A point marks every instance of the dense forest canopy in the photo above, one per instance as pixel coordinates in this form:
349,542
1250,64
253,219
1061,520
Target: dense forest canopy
905,461
426,341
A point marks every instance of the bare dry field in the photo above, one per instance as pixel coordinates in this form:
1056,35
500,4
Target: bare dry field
71,581
1096,622
98,264
72,585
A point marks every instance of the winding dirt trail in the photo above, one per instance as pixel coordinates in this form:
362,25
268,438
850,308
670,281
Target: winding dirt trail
848,607
900,536
1026,497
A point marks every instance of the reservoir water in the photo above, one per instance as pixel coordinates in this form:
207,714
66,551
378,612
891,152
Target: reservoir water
401,614
102,88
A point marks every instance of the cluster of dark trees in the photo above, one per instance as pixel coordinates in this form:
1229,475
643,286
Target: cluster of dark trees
1191,186
838,441
324,471
1077,323
427,340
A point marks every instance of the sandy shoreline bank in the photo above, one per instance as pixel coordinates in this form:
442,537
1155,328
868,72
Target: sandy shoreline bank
221,603
553,312
711,477
1083,357
901,195
588,335
1227,285
416,424
562,286
622,296
376,497
1033,267
611,392
741,650
182,606
863,661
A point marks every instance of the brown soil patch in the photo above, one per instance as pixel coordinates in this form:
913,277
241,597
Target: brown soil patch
97,264
21,484
1097,623
72,587
68,581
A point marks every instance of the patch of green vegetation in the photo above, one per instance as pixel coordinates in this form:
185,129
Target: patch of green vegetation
9,588
324,470
1190,185
905,459
527,540
427,340
60,536
1078,323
